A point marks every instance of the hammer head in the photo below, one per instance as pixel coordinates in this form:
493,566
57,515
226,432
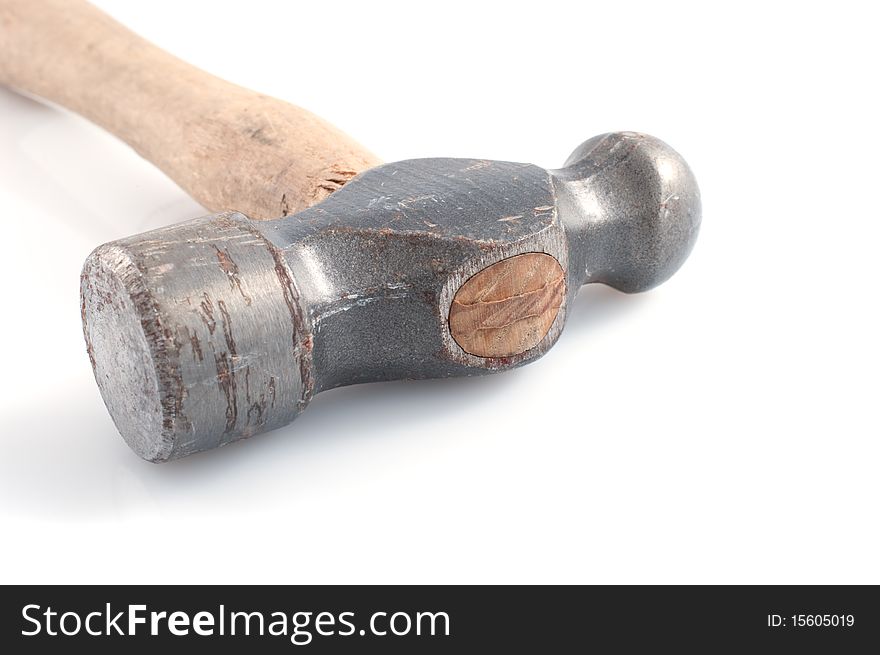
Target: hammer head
216,329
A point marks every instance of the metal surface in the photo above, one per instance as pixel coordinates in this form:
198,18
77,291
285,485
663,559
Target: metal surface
216,329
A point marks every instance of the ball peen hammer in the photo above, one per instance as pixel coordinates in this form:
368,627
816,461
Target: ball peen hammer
219,328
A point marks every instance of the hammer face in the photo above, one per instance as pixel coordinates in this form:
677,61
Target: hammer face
120,351
195,335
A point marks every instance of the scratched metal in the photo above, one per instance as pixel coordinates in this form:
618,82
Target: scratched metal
195,335
219,328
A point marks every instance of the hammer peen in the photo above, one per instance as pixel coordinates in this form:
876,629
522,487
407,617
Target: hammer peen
219,328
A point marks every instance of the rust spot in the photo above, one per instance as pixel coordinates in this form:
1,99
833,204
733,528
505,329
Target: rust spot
256,408
166,351
227,328
300,338
226,369
196,346
226,382
231,269
301,341
207,313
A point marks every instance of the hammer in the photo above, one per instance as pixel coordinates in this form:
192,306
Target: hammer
322,267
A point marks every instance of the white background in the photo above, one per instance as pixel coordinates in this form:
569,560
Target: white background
721,428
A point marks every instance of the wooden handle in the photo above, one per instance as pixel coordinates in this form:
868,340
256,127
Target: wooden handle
228,147
508,307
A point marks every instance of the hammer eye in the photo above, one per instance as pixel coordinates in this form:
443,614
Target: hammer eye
508,307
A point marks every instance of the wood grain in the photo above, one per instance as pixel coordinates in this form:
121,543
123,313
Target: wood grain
228,147
508,307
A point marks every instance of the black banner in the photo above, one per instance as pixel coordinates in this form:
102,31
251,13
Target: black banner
414,619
